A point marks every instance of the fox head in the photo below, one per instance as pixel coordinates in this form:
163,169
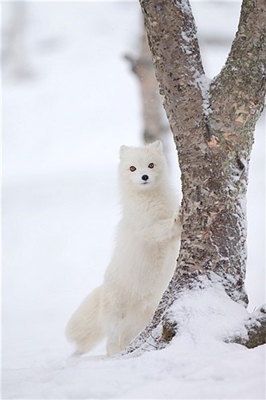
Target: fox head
142,168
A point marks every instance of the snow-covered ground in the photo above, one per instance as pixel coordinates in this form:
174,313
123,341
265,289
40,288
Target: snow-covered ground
63,123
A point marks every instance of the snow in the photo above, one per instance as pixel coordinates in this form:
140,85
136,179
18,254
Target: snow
63,124
204,83
183,5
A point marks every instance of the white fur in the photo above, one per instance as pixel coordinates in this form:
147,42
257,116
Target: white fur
144,257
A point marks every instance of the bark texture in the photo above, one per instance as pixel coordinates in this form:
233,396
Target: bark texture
212,125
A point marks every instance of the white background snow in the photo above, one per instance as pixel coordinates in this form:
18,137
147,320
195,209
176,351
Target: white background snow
63,123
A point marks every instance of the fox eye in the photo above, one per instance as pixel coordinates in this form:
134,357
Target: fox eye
132,168
151,165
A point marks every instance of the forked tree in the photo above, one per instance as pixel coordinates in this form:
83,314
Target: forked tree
213,126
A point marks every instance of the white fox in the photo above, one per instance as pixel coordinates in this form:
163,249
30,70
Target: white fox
144,258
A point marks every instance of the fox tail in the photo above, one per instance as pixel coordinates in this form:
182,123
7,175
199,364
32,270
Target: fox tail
86,327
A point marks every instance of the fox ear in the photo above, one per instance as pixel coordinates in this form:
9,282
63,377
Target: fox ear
123,150
157,145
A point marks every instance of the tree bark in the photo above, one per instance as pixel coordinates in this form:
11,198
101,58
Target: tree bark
212,125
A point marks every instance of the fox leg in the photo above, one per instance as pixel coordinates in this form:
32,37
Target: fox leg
163,230
113,336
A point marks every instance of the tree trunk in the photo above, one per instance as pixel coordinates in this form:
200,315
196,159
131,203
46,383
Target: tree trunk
212,125
155,123
15,52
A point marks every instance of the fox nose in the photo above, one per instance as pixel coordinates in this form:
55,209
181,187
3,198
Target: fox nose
144,177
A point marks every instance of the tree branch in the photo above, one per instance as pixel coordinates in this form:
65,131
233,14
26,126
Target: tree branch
156,126
238,92
174,46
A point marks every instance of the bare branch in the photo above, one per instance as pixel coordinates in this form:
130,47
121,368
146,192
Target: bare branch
172,37
238,92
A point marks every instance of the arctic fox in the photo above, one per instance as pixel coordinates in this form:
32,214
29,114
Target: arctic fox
144,257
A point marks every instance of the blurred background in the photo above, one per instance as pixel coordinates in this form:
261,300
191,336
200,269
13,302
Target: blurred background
71,96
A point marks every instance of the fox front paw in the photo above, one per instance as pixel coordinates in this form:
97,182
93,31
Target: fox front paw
176,223
177,217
